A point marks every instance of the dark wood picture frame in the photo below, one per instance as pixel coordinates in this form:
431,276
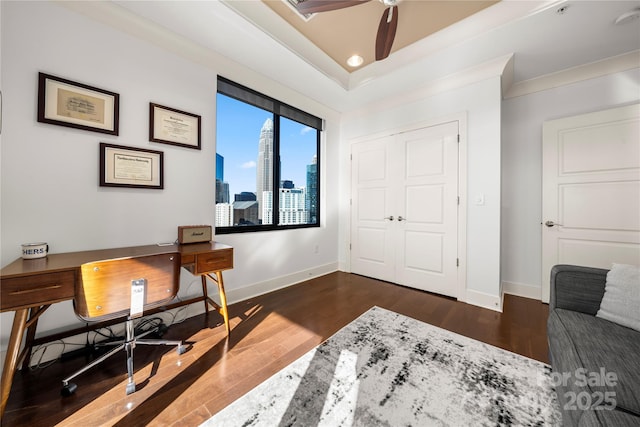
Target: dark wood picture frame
76,105
131,167
174,127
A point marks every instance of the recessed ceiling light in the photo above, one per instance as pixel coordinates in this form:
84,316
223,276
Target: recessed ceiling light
355,61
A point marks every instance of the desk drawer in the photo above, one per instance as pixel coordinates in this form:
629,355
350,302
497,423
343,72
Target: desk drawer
29,291
214,261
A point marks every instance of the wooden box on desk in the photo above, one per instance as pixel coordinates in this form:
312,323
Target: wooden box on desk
194,234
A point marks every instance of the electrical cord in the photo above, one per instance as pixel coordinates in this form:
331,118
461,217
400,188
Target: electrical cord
98,332
42,349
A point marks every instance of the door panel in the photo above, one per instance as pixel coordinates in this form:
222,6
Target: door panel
599,148
423,252
372,244
423,159
618,206
372,165
592,252
371,236
433,212
591,190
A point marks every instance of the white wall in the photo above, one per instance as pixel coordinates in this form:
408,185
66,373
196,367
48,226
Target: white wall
522,119
49,173
481,103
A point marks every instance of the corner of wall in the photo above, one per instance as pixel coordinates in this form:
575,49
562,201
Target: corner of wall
507,76
484,300
521,290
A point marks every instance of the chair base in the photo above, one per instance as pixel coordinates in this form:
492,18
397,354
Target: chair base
128,344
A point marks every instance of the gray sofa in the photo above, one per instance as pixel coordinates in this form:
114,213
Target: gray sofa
594,361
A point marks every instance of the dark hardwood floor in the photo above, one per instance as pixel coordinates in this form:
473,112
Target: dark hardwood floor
268,333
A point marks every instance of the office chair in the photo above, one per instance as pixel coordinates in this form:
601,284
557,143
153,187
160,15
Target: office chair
125,287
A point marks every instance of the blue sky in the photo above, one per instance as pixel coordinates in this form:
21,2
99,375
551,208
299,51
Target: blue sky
238,132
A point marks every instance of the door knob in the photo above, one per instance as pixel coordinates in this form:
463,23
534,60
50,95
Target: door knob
551,224
390,218
400,218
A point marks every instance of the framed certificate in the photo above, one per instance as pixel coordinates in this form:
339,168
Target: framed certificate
130,167
66,103
175,127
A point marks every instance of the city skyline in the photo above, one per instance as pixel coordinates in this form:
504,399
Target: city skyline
238,133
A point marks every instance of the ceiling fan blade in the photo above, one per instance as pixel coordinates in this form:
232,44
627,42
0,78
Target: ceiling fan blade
315,6
386,33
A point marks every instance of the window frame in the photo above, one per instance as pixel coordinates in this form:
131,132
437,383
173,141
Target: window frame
278,109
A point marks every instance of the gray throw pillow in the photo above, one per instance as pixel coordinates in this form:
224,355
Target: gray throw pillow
621,301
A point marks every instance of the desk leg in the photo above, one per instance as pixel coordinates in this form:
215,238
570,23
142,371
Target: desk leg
205,294
223,301
31,334
13,350
222,308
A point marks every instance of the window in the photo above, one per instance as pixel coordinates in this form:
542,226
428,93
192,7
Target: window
267,163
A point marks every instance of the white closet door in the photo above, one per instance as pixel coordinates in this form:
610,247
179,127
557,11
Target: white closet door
405,209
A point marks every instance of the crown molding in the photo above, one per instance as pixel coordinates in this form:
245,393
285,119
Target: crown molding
614,64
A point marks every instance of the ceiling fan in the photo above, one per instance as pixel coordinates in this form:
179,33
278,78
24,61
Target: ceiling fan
386,29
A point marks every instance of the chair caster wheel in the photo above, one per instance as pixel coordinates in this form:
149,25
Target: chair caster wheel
182,349
131,388
68,389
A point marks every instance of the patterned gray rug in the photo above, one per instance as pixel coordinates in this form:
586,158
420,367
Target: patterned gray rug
385,369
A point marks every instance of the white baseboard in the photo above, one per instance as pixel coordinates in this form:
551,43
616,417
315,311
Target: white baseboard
481,299
521,290
261,288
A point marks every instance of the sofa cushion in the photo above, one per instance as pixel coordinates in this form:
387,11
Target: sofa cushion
621,300
597,356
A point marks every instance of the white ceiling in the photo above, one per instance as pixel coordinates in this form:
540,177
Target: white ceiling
542,41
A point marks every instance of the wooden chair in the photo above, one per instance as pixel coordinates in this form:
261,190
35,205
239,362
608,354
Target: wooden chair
125,287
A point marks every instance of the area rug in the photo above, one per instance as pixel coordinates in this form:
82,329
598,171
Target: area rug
386,369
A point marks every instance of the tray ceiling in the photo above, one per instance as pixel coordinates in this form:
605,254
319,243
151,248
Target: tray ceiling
352,31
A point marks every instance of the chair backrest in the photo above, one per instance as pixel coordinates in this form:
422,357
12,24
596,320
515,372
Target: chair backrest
103,290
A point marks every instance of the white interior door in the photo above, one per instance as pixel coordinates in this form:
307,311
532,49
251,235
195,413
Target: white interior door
405,208
427,209
591,190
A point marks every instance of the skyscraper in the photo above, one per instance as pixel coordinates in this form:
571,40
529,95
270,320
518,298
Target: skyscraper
311,201
264,169
224,214
292,209
219,167
222,188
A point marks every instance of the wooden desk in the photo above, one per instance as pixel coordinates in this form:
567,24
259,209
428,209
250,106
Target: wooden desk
29,287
